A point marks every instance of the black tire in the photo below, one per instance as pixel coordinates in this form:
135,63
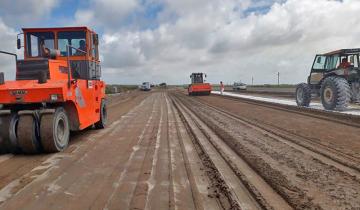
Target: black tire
4,133
28,134
13,129
355,92
103,116
55,131
303,95
335,93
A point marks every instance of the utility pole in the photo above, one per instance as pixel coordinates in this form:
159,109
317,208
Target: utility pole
278,74
252,81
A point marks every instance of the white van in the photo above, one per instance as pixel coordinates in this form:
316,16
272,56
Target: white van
145,86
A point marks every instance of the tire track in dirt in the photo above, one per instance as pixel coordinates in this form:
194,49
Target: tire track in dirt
303,179
78,150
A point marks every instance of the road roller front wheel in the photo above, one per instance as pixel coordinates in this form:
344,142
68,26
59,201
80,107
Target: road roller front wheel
28,134
54,131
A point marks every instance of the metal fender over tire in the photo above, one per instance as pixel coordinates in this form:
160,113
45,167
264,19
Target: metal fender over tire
303,94
103,116
28,134
335,93
54,131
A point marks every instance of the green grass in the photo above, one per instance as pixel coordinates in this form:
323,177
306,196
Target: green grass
121,88
262,86
227,86
274,86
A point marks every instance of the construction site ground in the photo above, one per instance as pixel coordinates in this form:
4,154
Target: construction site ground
165,150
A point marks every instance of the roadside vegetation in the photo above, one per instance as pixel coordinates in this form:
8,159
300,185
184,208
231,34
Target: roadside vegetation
119,88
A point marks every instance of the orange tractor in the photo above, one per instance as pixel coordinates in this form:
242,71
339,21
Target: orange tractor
198,85
57,90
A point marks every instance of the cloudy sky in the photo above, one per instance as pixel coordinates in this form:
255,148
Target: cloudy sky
166,40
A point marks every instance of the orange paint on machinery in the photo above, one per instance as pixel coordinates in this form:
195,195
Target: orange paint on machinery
198,85
59,76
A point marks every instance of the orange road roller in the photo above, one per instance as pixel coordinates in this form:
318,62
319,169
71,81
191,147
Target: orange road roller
57,90
198,85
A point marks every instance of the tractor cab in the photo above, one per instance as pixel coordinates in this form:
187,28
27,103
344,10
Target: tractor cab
76,46
335,78
343,63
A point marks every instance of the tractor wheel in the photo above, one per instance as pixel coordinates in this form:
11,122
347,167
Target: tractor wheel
55,131
355,92
303,95
335,93
28,134
4,133
103,116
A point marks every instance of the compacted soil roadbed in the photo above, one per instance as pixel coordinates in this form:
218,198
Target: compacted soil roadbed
166,150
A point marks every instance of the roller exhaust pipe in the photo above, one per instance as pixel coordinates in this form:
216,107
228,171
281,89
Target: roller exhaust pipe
42,77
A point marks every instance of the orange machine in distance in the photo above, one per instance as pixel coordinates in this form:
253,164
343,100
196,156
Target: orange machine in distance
57,90
198,85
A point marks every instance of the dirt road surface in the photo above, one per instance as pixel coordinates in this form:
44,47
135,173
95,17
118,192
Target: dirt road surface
165,150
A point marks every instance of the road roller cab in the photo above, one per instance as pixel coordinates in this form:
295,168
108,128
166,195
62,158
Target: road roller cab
198,85
57,89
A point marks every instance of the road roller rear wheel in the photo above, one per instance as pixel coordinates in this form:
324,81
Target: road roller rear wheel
28,134
54,131
103,116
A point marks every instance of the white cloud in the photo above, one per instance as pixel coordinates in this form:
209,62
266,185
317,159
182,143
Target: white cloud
216,37
106,13
20,12
8,44
122,51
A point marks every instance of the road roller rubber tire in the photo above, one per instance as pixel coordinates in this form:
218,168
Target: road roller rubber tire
28,134
14,144
54,131
4,133
103,116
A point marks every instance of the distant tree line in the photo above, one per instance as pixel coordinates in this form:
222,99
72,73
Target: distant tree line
110,89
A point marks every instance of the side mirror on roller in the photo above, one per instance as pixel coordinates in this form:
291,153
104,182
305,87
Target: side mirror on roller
18,44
